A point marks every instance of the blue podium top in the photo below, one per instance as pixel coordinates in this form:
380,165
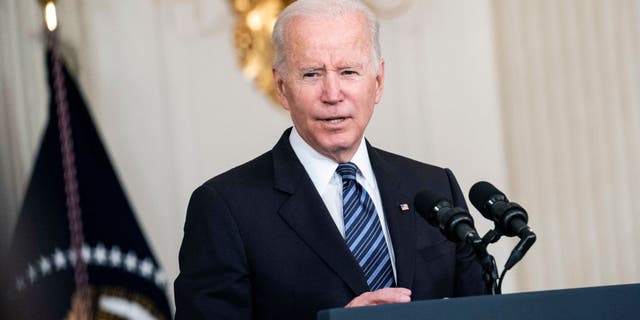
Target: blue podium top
607,302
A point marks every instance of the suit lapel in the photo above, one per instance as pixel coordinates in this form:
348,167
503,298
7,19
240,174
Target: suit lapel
401,223
307,215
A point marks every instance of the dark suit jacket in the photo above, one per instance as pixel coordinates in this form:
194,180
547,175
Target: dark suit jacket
259,242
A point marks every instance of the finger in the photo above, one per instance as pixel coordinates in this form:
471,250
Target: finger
382,296
390,295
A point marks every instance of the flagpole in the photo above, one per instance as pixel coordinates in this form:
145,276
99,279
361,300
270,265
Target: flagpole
81,305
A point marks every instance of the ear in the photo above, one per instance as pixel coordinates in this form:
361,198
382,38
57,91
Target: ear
281,93
380,81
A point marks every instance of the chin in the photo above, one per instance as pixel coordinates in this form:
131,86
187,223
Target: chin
341,149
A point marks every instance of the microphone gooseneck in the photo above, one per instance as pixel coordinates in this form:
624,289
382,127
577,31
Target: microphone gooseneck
456,224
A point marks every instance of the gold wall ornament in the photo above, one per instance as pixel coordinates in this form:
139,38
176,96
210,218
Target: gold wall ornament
252,38
252,35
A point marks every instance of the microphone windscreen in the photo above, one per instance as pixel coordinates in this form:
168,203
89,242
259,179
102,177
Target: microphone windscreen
425,200
481,192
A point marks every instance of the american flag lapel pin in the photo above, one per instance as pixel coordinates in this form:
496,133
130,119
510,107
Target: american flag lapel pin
404,207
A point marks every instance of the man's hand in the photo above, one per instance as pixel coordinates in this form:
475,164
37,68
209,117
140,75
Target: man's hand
381,296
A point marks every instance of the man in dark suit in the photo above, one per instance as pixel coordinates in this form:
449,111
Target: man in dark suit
323,219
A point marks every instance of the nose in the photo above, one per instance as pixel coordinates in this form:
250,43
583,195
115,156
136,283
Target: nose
332,90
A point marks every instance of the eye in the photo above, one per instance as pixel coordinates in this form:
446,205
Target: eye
310,75
349,73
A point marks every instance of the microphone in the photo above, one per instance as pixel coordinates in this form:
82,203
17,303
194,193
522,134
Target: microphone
454,222
509,217
457,225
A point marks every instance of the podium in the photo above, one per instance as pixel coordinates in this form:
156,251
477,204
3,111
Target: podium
607,302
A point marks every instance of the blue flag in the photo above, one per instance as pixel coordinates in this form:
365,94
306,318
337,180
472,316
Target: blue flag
125,279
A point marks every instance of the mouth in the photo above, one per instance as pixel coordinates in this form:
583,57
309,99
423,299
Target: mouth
334,120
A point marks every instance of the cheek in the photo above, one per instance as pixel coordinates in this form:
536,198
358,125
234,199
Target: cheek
300,111
365,116
365,101
303,101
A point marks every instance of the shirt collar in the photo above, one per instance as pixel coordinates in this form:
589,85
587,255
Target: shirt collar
321,169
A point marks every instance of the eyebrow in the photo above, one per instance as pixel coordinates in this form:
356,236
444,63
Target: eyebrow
309,69
342,67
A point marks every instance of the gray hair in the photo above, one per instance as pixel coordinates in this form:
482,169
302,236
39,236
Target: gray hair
323,8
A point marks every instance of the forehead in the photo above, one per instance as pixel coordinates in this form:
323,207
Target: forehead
332,37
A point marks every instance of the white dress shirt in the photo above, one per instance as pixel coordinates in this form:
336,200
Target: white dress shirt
322,172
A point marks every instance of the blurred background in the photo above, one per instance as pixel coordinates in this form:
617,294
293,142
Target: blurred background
540,97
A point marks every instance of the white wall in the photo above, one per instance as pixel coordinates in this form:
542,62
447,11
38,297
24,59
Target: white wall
570,80
23,104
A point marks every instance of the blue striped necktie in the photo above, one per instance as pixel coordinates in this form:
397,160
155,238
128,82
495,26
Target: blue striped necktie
362,229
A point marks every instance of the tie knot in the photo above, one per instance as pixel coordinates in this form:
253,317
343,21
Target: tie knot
347,171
